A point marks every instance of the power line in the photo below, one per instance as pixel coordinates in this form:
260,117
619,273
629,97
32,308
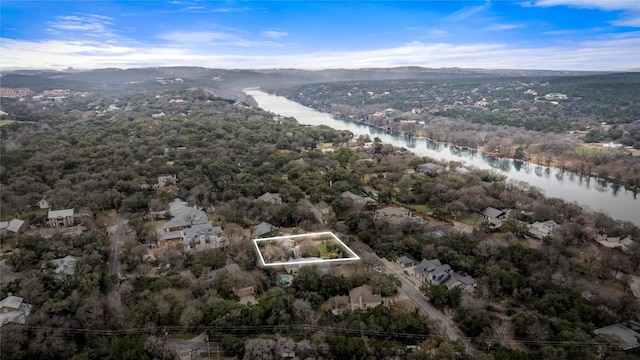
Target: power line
271,328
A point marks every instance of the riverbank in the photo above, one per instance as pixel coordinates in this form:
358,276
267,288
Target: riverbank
621,167
588,192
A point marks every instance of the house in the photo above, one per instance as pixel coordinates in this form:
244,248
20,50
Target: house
629,337
396,215
357,198
262,228
626,244
12,226
542,229
404,262
169,238
65,265
434,272
60,218
429,168
202,236
244,286
372,193
362,297
184,216
494,216
43,204
13,309
190,226
271,198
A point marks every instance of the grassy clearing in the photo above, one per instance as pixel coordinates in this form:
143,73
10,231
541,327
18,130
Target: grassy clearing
424,208
6,122
471,220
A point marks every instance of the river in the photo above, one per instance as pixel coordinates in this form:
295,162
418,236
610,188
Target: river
589,192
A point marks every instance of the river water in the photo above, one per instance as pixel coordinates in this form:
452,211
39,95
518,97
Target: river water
589,192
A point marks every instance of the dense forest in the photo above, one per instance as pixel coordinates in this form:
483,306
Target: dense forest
535,299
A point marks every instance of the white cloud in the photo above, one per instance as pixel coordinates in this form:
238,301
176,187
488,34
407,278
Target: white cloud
501,27
467,12
82,25
274,34
631,8
191,37
590,4
604,54
628,21
211,38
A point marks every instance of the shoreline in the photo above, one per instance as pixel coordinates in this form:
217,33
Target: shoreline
563,166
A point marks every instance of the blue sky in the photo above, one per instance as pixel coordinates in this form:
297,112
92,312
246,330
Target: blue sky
519,34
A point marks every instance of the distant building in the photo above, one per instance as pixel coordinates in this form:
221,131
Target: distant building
404,262
626,244
429,168
434,272
494,216
362,297
357,198
262,228
629,337
43,204
13,309
542,229
12,226
60,218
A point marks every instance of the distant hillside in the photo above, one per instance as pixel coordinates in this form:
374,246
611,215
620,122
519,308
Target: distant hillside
229,79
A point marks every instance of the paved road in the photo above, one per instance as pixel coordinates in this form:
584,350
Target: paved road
451,330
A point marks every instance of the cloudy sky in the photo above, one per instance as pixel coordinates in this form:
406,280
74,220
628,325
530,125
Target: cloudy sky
519,34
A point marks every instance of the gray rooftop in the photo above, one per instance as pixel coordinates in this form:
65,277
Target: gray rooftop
628,336
54,214
492,212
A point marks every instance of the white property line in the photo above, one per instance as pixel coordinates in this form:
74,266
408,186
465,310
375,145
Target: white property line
352,255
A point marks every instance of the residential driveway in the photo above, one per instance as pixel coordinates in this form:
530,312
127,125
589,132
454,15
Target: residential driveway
448,326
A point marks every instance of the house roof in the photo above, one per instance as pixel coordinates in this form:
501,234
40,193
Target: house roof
430,166
54,214
628,336
366,293
262,228
15,225
425,266
12,302
405,260
170,235
4,224
392,211
184,215
492,212
465,279
201,229
357,198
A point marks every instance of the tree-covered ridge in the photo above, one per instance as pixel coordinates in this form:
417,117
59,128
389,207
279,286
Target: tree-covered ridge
590,100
